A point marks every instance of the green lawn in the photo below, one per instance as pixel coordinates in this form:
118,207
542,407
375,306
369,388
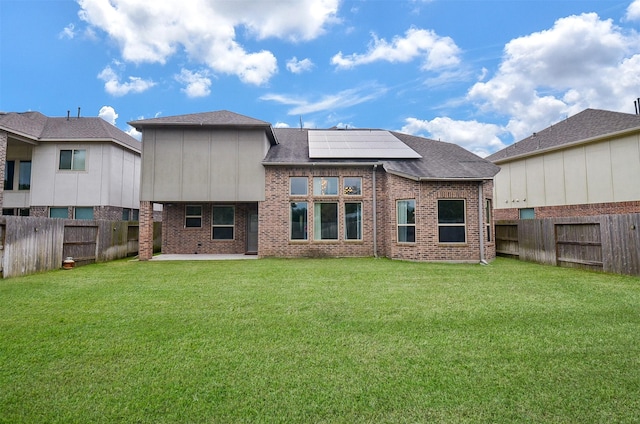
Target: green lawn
319,341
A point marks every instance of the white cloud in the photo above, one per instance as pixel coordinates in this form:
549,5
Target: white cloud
197,84
281,125
299,66
479,138
113,86
581,62
436,52
340,100
206,30
109,114
134,133
633,11
68,32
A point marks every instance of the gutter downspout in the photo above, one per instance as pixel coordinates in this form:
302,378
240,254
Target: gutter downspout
481,224
375,215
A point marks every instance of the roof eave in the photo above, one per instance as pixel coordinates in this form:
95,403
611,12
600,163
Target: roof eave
340,164
92,140
419,178
568,145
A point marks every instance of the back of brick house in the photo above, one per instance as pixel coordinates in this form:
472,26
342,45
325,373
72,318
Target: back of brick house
231,184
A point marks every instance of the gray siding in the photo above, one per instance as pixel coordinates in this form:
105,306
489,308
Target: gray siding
194,165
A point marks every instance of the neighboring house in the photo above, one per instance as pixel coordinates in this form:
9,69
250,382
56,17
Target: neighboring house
587,164
69,167
233,184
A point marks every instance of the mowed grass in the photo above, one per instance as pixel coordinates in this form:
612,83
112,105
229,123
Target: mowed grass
319,341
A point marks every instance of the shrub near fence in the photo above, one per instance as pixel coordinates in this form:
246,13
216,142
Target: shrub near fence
29,244
609,243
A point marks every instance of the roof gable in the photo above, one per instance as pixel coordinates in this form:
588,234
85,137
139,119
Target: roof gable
586,125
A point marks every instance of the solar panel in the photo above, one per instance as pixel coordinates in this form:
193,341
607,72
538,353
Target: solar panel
357,144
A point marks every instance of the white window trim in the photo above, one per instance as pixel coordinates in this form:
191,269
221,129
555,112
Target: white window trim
414,224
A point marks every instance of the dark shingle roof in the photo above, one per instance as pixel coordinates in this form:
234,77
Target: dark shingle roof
439,160
38,127
588,124
217,118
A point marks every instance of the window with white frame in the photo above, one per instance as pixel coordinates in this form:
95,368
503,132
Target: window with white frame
325,221
223,223
24,175
406,215
72,159
353,221
298,221
298,186
451,221
352,186
193,216
325,186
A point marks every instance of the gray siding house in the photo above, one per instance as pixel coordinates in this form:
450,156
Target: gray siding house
68,167
587,164
229,183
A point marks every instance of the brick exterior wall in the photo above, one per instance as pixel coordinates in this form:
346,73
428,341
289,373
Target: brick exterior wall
274,231
145,236
177,239
274,237
566,211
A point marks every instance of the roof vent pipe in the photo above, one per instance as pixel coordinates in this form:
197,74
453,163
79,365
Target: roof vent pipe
68,114
78,111
635,103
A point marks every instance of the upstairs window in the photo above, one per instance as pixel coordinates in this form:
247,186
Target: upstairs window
73,160
24,176
9,171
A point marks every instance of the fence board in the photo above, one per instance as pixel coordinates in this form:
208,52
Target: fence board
31,244
608,243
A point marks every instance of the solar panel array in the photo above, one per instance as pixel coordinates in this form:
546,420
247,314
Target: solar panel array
357,144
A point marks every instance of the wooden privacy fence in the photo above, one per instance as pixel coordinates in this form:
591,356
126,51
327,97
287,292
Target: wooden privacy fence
29,245
609,243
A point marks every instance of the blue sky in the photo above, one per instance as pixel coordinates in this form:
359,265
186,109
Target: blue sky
479,73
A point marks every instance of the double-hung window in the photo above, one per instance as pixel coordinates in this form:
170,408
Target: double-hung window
73,159
325,221
193,216
451,221
406,212
224,218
